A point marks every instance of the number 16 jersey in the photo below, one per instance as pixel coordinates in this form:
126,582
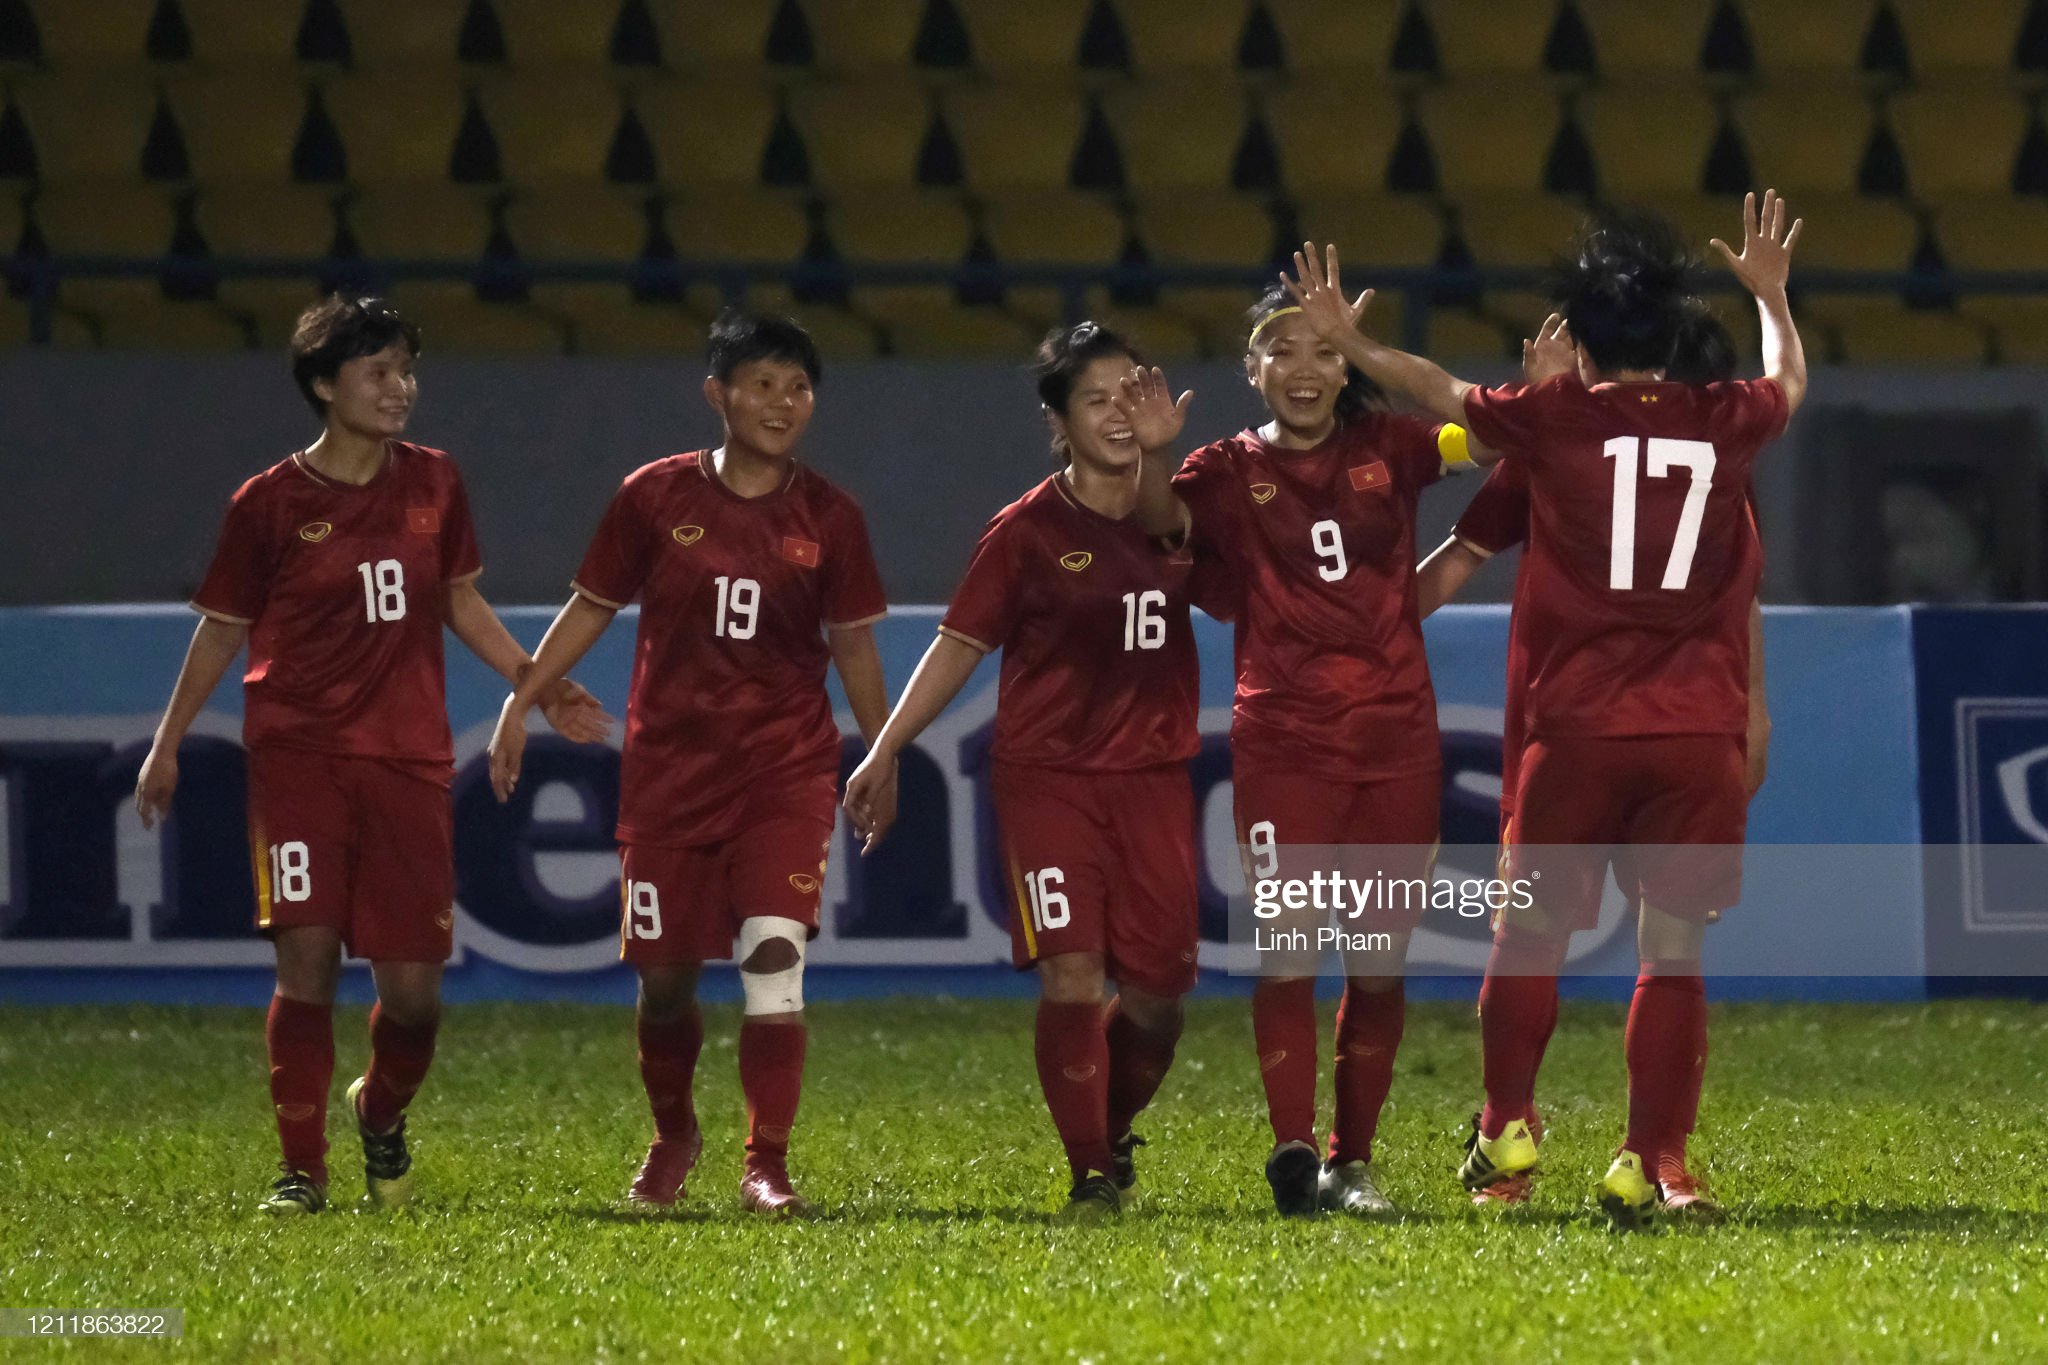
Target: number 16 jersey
728,693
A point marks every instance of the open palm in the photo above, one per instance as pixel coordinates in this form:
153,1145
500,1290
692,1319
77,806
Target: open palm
1766,260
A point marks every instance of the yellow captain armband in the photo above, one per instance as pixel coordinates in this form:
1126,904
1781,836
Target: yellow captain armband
1453,445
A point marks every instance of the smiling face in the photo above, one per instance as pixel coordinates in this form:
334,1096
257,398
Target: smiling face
1299,376
372,395
765,404
1093,431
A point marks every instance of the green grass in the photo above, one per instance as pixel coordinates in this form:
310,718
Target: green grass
1883,1164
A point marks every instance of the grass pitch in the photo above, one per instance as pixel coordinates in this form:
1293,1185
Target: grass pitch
1883,1165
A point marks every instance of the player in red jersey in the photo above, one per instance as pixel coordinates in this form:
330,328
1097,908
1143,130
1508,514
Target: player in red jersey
339,566
753,574
1333,732
1095,724
1497,519
1636,595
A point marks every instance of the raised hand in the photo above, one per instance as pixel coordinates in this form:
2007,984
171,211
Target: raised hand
575,714
1766,260
1318,290
1551,352
1148,404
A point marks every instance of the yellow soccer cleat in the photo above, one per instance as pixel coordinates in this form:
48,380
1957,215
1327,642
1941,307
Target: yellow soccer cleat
387,1165
1626,1193
1489,1161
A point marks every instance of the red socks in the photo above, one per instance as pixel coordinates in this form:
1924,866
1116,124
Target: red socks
772,1078
300,1039
1368,1035
1667,1054
399,1057
1517,1011
1138,1062
1073,1070
1284,1030
668,1068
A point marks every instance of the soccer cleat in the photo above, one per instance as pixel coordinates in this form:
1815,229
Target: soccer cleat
1350,1188
387,1165
1628,1196
1123,1169
765,1188
669,1162
1684,1196
1293,1170
1512,1190
1095,1200
1489,1161
295,1192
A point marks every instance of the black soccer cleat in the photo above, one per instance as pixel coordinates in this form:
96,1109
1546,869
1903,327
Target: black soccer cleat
1094,1200
1293,1171
387,1165
1124,1168
295,1192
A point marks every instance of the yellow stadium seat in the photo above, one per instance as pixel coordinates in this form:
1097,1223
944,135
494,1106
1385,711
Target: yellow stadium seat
551,127
1994,233
545,35
267,221
1373,231
134,315
1015,136
267,309
1162,334
1027,37
1460,336
1945,36
17,321
929,322
1054,228
104,33
1337,35
10,224
862,133
1811,35
1862,330
1177,133
899,228
721,35
1215,314
1334,133
1806,136
1648,140
111,218
452,318
238,126
405,33
1216,228
1479,149
1171,35
86,126
857,35
1517,229
421,222
707,132
1474,36
1842,232
235,31
720,225
1632,39
395,127
840,334
1957,140
604,319
590,223
2018,324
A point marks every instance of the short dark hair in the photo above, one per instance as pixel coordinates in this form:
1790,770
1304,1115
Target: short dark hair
1626,289
738,338
337,330
1704,352
1063,355
1359,394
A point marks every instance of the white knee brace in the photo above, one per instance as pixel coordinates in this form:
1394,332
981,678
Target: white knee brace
772,992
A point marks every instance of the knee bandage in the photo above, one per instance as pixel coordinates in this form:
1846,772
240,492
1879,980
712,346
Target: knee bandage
778,992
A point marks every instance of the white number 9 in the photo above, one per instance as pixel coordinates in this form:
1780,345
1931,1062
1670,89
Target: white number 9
1328,539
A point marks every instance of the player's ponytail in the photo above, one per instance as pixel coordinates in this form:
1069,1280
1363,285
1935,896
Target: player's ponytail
1061,358
1704,351
1627,288
1359,394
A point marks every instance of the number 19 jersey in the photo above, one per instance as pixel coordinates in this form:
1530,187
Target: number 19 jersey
728,695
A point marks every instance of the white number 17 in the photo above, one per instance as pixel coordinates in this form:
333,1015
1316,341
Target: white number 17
1666,453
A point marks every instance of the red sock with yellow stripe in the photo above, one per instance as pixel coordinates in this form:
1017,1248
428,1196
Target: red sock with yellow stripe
1073,1070
300,1038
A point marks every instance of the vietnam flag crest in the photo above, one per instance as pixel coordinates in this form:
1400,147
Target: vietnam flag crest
804,552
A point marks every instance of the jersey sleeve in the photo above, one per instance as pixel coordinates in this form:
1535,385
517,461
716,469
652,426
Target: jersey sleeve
616,565
1213,588
1208,483
1750,412
1498,515
1508,418
460,558
237,582
984,606
853,585
1423,449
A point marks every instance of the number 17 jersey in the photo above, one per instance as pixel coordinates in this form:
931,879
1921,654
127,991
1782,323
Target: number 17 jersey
728,694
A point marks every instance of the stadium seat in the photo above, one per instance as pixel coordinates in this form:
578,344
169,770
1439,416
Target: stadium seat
546,35
1015,136
271,220
899,228
605,319
1027,38
722,36
86,126
451,317
1171,35
733,225
1215,312
1373,230
1956,37
1993,233
1648,139
1340,36
237,32
1841,232
1806,137
395,127
857,35
577,223
1517,229
267,309
134,315
384,34
1162,334
922,322
707,132
1476,147
861,133
105,33
111,218
1053,228
1959,141
1215,228
421,222
1632,40
1462,336
551,126
1809,36
1484,36
1334,133
1864,330
238,126
841,335
2018,324
1177,133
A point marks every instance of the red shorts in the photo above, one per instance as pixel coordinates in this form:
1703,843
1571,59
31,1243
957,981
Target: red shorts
1391,823
1103,863
363,846
1680,802
679,905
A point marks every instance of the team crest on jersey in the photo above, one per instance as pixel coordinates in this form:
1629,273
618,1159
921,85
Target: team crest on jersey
799,551
1364,476
1076,560
1262,493
802,883
688,535
423,521
314,532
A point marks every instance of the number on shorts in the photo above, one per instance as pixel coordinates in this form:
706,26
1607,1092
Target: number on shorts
739,607
1265,849
383,590
291,871
1666,453
1049,908
1328,538
1144,627
643,910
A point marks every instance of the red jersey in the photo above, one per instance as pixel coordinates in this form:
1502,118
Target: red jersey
341,587
1099,671
1331,675
1633,600
1495,519
729,670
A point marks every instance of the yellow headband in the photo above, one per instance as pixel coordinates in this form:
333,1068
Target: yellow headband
1268,322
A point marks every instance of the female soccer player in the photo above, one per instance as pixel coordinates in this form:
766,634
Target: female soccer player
339,566
1635,602
1333,735
753,574
1095,724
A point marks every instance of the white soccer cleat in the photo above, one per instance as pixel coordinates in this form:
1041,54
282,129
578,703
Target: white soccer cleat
1350,1188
